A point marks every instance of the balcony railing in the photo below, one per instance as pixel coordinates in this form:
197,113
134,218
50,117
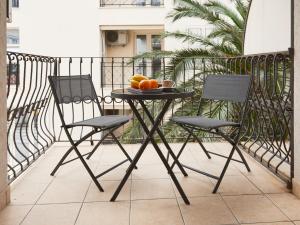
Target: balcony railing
137,3
33,123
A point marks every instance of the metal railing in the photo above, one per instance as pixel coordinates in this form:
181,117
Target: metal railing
134,3
28,99
33,123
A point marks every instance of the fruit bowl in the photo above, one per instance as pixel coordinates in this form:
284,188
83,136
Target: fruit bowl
148,91
141,82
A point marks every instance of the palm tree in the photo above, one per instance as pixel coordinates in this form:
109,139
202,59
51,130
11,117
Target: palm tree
225,40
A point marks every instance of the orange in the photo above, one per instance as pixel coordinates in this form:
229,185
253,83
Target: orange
153,84
134,84
145,85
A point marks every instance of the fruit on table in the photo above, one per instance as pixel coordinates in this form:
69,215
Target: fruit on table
145,85
139,81
148,84
153,83
136,79
134,84
139,77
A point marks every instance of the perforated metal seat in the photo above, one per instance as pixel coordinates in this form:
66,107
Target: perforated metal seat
102,121
203,122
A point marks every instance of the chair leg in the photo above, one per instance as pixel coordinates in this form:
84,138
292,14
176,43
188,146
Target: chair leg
96,146
224,170
74,146
234,144
198,140
243,158
88,169
94,149
181,149
121,147
62,160
202,146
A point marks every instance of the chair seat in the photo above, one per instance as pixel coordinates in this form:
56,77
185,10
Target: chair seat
102,121
203,122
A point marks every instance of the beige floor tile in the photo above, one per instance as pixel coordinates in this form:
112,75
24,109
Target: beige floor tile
236,185
154,171
215,167
63,191
112,156
152,189
195,185
114,175
268,183
273,223
75,171
54,214
254,208
14,214
109,188
206,211
150,156
288,203
104,213
297,222
159,211
27,191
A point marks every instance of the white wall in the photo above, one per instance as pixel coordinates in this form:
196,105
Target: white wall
269,26
72,28
296,182
58,28
4,192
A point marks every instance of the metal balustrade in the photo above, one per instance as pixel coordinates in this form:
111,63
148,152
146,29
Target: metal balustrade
33,123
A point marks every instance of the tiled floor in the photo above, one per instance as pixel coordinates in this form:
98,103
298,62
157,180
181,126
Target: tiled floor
149,197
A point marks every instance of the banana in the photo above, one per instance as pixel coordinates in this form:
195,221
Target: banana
139,77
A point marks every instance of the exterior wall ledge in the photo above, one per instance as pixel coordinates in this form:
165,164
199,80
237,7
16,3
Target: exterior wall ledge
296,187
4,197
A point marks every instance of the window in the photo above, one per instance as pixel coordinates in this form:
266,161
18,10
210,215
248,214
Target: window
13,37
156,46
141,47
141,44
15,3
13,73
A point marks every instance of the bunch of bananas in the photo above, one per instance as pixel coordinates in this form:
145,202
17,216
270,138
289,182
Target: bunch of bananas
136,79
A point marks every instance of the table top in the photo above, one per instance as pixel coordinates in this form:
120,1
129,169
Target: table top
125,94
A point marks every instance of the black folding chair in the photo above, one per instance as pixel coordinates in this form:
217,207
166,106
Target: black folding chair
219,88
80,89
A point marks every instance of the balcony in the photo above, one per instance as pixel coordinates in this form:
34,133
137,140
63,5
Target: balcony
36,142
149,196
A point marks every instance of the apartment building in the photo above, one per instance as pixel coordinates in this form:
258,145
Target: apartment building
120,28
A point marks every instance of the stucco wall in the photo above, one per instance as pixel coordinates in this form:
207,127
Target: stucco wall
296,185
268,26
4,197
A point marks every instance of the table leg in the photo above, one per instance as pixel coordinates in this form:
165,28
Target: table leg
141,150
162,137
160,154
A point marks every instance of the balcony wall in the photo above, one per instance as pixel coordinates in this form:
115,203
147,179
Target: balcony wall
4,196
296,98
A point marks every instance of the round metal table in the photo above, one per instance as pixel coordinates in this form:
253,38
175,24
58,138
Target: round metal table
168,97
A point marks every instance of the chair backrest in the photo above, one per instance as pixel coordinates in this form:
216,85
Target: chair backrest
68,89
73,89
233,88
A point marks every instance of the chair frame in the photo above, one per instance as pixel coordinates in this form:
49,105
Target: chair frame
75,144
233,141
